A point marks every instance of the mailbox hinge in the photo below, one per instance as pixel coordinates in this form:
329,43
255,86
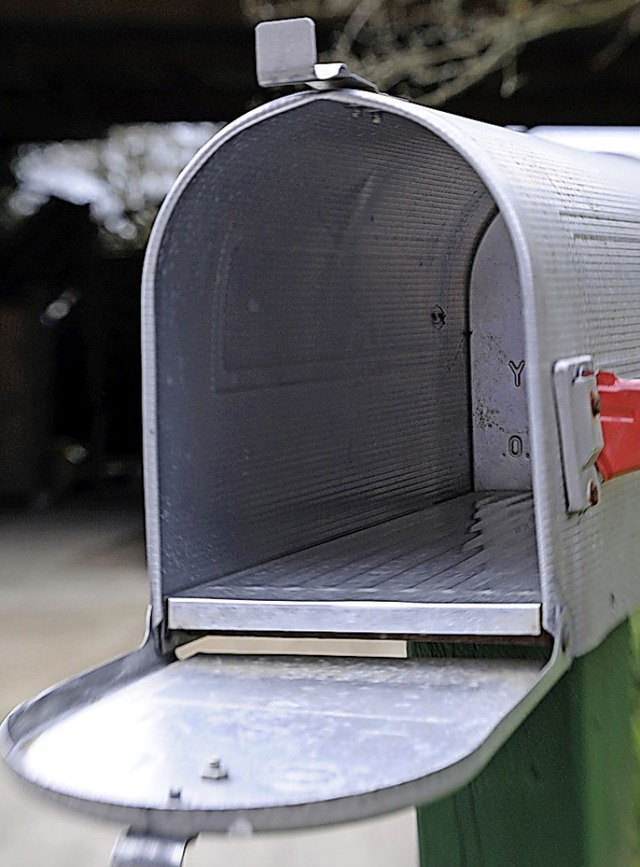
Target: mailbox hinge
286,53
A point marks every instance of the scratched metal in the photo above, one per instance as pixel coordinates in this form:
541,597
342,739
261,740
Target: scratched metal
303,740
468,566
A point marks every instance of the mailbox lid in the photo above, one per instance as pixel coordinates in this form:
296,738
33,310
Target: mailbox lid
256,743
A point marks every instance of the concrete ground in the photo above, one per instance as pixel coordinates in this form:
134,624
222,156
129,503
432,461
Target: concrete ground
73,593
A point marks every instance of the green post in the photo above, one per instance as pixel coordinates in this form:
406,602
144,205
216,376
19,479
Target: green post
562,791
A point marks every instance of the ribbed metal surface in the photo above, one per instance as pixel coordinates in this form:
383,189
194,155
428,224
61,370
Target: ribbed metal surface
576,217
477,548
304,390
466,564
573,219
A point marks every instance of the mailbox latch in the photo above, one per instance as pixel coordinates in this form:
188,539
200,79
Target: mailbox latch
599,420
286,53
581,435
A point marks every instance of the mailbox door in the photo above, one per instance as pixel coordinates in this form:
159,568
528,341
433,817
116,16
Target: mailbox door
254,743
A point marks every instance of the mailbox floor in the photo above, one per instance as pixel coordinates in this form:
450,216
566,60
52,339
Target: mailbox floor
73,593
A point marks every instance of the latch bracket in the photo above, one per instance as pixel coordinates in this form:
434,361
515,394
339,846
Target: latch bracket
286,53
134,849
581,438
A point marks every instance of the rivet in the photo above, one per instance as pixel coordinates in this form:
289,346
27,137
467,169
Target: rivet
215,770
438,317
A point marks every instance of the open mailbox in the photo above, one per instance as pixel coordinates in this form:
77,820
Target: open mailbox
372,336
342,435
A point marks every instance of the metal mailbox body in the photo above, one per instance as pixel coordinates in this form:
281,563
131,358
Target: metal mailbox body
353,308
290,194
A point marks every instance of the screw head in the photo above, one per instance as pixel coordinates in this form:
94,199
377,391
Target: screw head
215,770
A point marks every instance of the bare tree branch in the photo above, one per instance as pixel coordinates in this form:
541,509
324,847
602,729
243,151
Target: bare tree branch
434,50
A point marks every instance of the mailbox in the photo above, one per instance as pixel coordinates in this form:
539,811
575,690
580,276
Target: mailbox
386,354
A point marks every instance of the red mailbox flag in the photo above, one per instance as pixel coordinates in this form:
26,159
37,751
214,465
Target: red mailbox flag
620,419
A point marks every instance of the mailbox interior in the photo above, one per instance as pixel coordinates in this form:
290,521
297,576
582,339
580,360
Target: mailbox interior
339,416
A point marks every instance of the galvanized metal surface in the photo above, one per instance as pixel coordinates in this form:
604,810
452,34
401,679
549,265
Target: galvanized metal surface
141,850
303,741
286,54
285,51
359,619
73,594
499,417
581,438
467,566
305,388
572,218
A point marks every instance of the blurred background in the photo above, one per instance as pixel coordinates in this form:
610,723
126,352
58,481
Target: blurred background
103,102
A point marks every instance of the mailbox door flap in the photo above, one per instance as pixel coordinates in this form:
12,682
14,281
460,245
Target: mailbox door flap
254,743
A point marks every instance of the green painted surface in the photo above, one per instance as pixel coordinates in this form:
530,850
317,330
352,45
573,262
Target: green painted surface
562,791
